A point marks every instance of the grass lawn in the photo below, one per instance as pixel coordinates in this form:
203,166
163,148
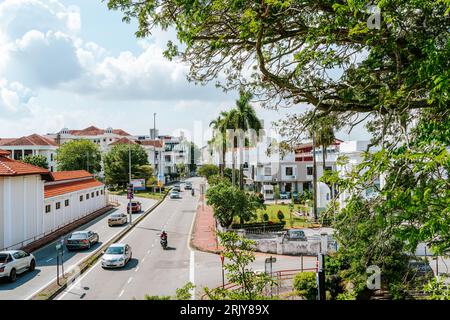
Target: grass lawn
272,210
143,194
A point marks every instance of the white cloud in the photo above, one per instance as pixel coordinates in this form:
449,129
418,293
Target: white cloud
13,96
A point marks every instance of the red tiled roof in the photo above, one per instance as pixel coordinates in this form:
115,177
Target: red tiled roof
123,141
5,141
70,175
154,143
4,153
10,167
63,188
32,140
94,131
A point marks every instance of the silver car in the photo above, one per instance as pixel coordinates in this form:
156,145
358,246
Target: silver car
15,262
117,255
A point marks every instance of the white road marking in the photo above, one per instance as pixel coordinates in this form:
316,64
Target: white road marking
143,259
148,251
137,268
129,280
121,293
192,274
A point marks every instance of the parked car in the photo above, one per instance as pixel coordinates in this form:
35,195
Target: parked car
296,235
284,195
117,255
15,262
135,207
174,194
188,186
117,219
82,240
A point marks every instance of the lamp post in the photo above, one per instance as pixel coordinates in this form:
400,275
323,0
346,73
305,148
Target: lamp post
129,185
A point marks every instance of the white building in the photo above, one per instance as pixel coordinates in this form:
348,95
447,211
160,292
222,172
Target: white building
35,202
31,146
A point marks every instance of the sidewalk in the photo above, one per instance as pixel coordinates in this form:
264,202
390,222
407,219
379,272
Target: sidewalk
204,233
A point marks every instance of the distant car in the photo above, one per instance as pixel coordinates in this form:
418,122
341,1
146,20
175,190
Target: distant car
15,262
135,207
284,195
188,186
176,188
117,255
296,235
117,219
82,240
174,195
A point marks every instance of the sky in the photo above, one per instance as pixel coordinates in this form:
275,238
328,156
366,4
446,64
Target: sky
74,63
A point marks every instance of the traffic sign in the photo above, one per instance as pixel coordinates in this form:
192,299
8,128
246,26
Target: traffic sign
130,192
271,260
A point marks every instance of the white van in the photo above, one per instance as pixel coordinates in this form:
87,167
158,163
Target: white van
267,191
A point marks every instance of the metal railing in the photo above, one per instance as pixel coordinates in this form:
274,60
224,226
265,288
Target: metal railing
282,277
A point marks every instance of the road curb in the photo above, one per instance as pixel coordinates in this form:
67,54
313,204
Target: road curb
52,290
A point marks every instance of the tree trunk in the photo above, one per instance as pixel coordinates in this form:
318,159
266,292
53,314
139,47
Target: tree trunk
314,178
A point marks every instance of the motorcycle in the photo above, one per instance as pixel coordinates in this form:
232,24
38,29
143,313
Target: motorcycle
192,192
164,243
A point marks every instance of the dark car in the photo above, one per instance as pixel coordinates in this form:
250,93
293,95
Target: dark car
81,240
176,188
296,235
135,207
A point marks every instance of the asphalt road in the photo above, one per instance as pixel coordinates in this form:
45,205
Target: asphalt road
29,283
155,271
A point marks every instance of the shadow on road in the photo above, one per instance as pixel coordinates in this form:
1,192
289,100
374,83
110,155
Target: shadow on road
130,265
170,248
21,279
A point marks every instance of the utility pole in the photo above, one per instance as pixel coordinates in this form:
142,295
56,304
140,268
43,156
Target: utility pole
130,185
154,138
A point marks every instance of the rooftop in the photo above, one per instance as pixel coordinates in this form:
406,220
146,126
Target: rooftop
63,188
70,175
94,131
31,140
10,167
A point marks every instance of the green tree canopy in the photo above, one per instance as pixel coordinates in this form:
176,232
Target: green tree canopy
79,154
208,170
37,160
116,163
229,201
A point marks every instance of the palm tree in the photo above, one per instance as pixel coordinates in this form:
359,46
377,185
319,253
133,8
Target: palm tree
218,141
243,117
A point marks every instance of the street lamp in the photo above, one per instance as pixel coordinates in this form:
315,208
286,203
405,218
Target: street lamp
129,185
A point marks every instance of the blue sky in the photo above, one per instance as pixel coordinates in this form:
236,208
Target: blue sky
73,64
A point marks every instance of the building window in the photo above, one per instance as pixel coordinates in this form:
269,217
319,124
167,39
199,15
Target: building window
167,158
58,205
87,196
97,193
48,208
289,171
66,203
328,168
309,171
81,198
92,194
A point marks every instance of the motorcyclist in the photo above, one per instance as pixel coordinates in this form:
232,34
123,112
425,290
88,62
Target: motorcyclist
163,235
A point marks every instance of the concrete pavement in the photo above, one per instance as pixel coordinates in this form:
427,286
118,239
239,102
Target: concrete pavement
29,283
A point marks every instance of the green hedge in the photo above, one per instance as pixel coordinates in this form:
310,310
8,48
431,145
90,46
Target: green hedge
305,285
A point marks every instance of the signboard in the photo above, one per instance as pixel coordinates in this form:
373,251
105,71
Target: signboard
271,260
138,184
130,192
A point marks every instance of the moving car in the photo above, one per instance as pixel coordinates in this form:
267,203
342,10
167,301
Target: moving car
15,262
117,219
82,240
117,255
188,186
176,188
135,207
174,195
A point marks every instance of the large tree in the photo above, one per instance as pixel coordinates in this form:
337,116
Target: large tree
116,163
79,154
37,160
329,54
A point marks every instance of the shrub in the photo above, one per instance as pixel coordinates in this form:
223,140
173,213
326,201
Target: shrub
265,217
305,285
280,215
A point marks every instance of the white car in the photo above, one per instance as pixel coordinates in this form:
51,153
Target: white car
117,255
15,262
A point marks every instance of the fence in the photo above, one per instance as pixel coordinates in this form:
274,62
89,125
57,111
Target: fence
283,278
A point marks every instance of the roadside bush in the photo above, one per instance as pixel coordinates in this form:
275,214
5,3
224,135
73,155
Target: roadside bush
280,215
305,285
